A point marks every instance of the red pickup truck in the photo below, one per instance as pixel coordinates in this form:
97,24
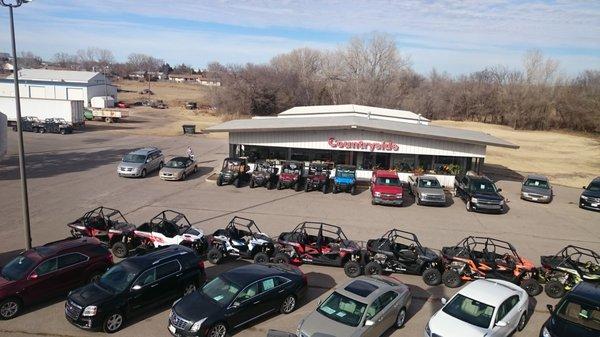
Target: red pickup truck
386,188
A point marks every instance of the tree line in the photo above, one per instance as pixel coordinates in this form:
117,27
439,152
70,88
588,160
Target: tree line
372,71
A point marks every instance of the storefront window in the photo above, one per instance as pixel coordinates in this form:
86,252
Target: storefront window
300,154
372,161
403,162
449,165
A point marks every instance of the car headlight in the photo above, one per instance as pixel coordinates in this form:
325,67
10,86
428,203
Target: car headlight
428,330
377,194
545,332
501,202
90,310
474,200
197,325
525,194
424,195
584,197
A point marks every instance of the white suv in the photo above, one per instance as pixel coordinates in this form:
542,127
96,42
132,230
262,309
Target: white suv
491,308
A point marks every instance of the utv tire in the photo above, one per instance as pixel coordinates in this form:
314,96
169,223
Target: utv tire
297,186
113,322
554,289
120,250
281,258
237,182
219,181
306,186
432,277
251,183
288,305
278,185
63,132
269,185
451,278
42,130
352,269
261,258
531,286
214,256
373,268
324,189
10,308
353,190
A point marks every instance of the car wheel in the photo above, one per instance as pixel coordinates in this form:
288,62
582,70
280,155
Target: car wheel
214,256
95,277
183,176
401,318
218,330
9,308
189,288
119,249
113,322
432,277
219,181
531,286
143,174
63,132
352,269
451,278
42,130
281,258
261,258
469,208
288,305
373,268
373,202
522,322
554,289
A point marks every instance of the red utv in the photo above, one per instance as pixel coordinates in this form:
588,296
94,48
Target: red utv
318,176
386,188
105,224
321,244
290,175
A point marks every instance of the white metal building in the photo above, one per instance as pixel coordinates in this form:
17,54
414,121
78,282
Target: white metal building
367,137
59,84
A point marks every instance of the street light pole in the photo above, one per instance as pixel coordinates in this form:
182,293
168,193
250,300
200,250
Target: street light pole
24,197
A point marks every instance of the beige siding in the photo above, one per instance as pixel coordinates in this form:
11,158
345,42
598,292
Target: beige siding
319,140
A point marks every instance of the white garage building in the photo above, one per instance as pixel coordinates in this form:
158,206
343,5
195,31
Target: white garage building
367,137
59,84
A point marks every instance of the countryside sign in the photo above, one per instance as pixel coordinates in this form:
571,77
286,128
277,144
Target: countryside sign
363,145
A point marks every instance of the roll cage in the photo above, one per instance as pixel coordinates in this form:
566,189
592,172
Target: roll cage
486,246
316,168
321,239
239,227
168,222
575,254
292,167
266,166
394,234
99,215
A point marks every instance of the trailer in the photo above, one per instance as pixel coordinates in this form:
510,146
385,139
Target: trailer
107,115
42,108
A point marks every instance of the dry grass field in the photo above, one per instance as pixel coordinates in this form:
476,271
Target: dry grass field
569,159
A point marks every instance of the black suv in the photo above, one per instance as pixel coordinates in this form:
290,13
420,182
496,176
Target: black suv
135,285
590,197
479,193
577,314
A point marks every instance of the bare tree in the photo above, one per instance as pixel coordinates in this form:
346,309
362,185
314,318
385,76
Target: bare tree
28,59
144,63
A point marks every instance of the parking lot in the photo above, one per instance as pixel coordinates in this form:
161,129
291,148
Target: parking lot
71,174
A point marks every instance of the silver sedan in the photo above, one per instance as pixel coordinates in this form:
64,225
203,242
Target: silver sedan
178,168
366,306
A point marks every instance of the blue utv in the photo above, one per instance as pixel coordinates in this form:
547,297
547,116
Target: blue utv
345,179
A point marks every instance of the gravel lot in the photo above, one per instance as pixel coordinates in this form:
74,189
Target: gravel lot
71,174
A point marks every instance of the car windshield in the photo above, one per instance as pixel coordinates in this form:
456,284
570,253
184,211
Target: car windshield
118,278
388,181
580,314
17,268
483,186
536,183
470,311
345,173
595,187
342,309
220,290
175,164
134,158
429,183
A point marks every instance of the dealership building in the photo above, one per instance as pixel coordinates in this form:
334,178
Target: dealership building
367,137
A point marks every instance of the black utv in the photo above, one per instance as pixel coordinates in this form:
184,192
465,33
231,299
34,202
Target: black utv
55,125
28,124
398,251
233,171
264,175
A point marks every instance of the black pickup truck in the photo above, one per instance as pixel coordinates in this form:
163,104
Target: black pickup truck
479,193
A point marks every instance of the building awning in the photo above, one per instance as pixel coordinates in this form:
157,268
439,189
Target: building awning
360,123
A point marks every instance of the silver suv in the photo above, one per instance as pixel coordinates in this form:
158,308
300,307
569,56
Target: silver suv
141,162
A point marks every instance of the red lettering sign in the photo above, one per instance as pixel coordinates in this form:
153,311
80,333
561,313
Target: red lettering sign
362,145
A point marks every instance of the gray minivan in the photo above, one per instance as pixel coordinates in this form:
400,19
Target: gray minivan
141,162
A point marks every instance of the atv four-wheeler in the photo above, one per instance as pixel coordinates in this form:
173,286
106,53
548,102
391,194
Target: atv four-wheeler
322,244
107,225
55,125
265,174
168,228
345,179
240,238
399,251
484,257
571,265
318,177
290,175
233,171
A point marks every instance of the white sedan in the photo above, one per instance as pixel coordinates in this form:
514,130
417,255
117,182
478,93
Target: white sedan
490,308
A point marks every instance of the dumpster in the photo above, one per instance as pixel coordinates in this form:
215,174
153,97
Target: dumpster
189,129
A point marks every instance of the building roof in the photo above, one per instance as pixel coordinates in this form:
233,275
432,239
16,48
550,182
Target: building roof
360,123
352,110
55,75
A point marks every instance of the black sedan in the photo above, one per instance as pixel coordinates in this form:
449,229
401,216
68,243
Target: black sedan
237,297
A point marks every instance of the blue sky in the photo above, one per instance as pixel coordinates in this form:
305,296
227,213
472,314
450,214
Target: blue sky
450,35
